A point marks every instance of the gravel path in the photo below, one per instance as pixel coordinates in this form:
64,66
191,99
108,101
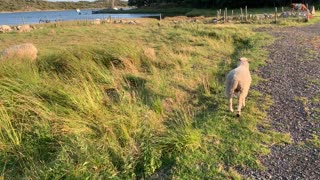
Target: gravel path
293,81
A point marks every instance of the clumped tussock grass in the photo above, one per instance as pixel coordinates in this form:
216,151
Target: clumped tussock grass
22,51
150,105
213,12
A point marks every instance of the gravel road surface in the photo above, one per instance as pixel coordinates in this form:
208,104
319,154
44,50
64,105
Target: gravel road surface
293,82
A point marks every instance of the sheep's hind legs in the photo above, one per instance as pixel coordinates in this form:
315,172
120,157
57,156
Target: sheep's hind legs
230,105
241,102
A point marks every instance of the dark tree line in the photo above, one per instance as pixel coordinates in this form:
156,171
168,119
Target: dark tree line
218,3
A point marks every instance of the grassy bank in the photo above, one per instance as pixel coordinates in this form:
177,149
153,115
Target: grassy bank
130,101
164,11
190,12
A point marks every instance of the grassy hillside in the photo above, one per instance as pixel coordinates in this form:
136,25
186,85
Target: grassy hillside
130,101
185,11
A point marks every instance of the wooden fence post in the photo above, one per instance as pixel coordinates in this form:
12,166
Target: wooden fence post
313,10
241,14
275,14
226,9
246,13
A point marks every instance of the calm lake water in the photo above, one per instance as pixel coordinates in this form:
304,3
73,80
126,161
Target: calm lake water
34,17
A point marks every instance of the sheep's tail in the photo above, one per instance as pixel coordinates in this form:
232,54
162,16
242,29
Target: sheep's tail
231,85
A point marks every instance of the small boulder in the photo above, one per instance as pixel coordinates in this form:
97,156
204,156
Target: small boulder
5,28
96,21
21,51
24,28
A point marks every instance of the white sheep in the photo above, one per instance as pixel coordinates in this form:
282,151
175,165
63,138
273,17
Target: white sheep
238,82
22,51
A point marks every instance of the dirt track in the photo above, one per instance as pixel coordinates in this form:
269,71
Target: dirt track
293,81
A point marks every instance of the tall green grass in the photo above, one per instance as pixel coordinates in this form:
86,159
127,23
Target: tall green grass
127,101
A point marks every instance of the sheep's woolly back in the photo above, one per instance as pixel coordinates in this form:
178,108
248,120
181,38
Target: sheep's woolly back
230,83
22,51
238,79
